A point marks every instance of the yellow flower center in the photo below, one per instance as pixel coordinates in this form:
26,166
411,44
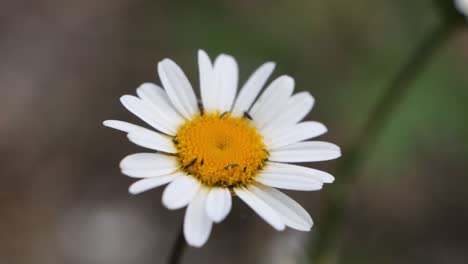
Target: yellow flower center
220,150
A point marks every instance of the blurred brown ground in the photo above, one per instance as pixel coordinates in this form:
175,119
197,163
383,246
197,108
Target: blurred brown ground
64,64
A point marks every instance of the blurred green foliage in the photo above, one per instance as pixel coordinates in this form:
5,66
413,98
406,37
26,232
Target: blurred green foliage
344,53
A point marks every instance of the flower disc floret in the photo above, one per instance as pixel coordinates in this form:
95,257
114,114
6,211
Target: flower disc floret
220,150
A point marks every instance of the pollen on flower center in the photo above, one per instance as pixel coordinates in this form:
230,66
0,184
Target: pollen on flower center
220,150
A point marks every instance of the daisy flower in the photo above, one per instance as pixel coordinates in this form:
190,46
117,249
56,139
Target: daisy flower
229,145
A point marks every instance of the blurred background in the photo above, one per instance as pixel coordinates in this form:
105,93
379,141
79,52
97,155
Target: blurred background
64,65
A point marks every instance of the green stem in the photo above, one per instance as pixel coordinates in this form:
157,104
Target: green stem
324,247
178,248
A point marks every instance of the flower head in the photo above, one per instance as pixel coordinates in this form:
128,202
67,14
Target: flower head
229,146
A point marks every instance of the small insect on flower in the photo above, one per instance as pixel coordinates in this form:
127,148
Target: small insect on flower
237,145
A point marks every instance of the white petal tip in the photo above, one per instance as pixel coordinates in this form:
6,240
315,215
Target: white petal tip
161,65
145,85
308,97
136,188
323,129
196,244
271,65
169,204
288,79
107,123
132,191
202,53
148,184
128,174
220,219
125,97
169,207
280,228
164,61
217,220
124,161
462,6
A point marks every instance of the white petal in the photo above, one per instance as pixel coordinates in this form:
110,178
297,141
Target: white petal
178,88
272,101
252,88
226,74
218,204
291,213
295,170
146,112
152,140
149,183
180,192
143,165
207,87
306,152
197,224
122,126
462,7
286,135
143,136
260,207
162,108
297,107
289,182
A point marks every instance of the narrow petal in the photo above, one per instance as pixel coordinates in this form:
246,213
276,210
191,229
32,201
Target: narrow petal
122,126
180,192
260,207
162,108
291,213
149,183
178,88
218,204
252,88
298,106
146,112
290,169
152,140
306,152
207,87
227,75
293,134
272,101
289,181
143,136
144,165
197,224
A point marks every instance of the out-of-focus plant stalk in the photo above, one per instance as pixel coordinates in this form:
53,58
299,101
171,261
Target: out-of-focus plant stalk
178,248
324,248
